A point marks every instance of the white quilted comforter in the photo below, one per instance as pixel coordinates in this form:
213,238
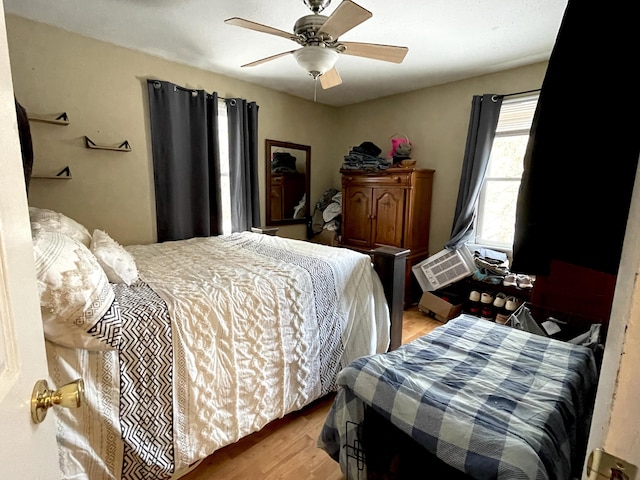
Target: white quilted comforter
221,336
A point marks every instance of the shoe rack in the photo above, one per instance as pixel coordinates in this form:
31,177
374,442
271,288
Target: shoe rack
514,296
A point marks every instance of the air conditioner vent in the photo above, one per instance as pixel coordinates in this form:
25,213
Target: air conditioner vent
444,268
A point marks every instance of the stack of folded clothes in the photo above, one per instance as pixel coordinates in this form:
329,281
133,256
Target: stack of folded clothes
365,157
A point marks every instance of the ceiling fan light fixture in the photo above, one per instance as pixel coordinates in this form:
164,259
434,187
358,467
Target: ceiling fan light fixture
317,6
316,60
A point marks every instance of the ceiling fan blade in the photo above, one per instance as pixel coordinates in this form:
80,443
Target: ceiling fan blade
267,59
344,18
330,78
387,53
241,22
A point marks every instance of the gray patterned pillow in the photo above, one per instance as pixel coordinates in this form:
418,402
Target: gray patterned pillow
77,302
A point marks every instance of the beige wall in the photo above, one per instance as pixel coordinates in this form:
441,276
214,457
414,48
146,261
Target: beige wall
102,87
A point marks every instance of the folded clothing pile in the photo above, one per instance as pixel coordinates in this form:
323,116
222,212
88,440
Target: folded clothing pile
493,267
283,162
365,157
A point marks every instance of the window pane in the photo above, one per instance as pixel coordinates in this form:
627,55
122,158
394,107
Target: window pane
225,186
506,156
495,220
498,212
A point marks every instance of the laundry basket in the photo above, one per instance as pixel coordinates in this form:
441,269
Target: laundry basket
565,326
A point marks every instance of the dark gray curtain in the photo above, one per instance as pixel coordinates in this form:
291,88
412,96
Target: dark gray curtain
185,161
26,145
485,110
243,163
582,155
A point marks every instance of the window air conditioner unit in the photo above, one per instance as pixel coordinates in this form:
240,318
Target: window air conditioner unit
444,268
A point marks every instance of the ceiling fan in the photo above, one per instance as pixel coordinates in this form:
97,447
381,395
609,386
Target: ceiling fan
319,35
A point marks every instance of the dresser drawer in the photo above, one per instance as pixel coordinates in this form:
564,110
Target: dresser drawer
374,180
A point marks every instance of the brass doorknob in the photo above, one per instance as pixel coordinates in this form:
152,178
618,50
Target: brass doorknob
70,395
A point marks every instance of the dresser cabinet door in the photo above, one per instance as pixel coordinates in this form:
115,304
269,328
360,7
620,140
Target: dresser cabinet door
388,216
276,202
356,211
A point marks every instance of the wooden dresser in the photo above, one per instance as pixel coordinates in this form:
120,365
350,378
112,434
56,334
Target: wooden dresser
390,207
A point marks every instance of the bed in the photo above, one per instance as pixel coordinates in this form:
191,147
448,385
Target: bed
471,399
187,346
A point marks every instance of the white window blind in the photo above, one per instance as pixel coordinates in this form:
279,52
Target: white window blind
516,115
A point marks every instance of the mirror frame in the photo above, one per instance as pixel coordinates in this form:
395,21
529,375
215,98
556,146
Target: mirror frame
270,147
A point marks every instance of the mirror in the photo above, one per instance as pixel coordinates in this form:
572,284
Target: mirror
288,182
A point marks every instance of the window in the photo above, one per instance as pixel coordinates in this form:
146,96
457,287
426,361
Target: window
225,179
496,211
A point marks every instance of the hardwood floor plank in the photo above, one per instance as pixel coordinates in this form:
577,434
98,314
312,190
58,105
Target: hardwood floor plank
286,449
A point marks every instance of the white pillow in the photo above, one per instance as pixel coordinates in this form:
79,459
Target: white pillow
77,302
42,218
116,262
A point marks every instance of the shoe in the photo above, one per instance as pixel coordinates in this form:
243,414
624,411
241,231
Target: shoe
510,280
524,281
500,300
501,315
473,306
486,303
495,268
512,304
486,297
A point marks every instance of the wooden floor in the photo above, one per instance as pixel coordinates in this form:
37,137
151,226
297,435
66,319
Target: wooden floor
286,448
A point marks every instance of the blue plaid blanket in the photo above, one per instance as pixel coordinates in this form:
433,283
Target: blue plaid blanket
489,400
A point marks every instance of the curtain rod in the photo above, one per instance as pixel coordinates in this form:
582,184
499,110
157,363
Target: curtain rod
495,97
193,90
518,93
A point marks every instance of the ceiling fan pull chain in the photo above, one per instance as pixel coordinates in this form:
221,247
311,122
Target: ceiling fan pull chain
315,88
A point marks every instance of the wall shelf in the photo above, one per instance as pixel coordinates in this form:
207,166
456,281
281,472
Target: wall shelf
64,174
52,177
56,118
123,147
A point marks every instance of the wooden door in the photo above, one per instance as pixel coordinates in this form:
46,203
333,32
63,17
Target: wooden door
616,417
387,216
356,212
27,450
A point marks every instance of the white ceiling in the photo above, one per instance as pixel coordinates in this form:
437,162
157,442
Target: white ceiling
448,40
